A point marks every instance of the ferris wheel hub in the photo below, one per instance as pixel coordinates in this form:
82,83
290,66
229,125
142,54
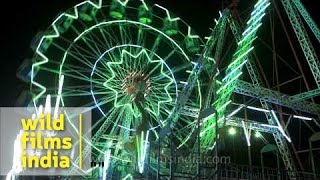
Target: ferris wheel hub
138,85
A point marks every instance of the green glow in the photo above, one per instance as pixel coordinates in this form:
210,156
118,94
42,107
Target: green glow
259,3
258,9
168,14
232,131
252,31
145,20
137,23
145,14
128,177
125,63
229,82
234,70
241,56
257,134
223,106
116,15
54,35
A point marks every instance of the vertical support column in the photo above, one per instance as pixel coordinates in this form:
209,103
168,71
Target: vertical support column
256,79
303,39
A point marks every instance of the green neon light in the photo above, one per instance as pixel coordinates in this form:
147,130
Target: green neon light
240,57
210,127
224,105
235,69
259,9
259,3
128,177
168,14
133,22
55,34
257,134
250,33
229,82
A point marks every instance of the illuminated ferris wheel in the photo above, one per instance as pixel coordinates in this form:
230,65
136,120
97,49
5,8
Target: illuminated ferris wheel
147,77
127,62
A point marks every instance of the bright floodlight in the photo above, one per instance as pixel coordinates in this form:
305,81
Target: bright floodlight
257,134
232,131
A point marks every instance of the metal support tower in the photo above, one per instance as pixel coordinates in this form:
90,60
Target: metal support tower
256,79
303,39
306,16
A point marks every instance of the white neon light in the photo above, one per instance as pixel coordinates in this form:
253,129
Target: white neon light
216,21
235,111
246,133
280,127
144,145
128,176
183,82
40,110
107,156
58,99
257,109
189,33
95,101
47,107
235,69
302,117
126,128
270,126
168,14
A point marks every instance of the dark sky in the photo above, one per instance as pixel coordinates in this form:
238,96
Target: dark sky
22,20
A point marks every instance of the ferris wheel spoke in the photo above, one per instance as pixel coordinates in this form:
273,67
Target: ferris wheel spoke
83,52
97,41
112,36
103,33
81,90
155,68
166,58
94,45
81,77
120,71
76,67
118,118
86,79
160,77
113,83
122,35
140,35
156,43
107,43
84,60
100,72
81,38
94,50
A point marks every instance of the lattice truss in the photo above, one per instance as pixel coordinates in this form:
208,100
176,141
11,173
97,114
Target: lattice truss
147,76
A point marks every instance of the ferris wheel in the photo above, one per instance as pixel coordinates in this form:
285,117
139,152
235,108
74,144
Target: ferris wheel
127,62
145,75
